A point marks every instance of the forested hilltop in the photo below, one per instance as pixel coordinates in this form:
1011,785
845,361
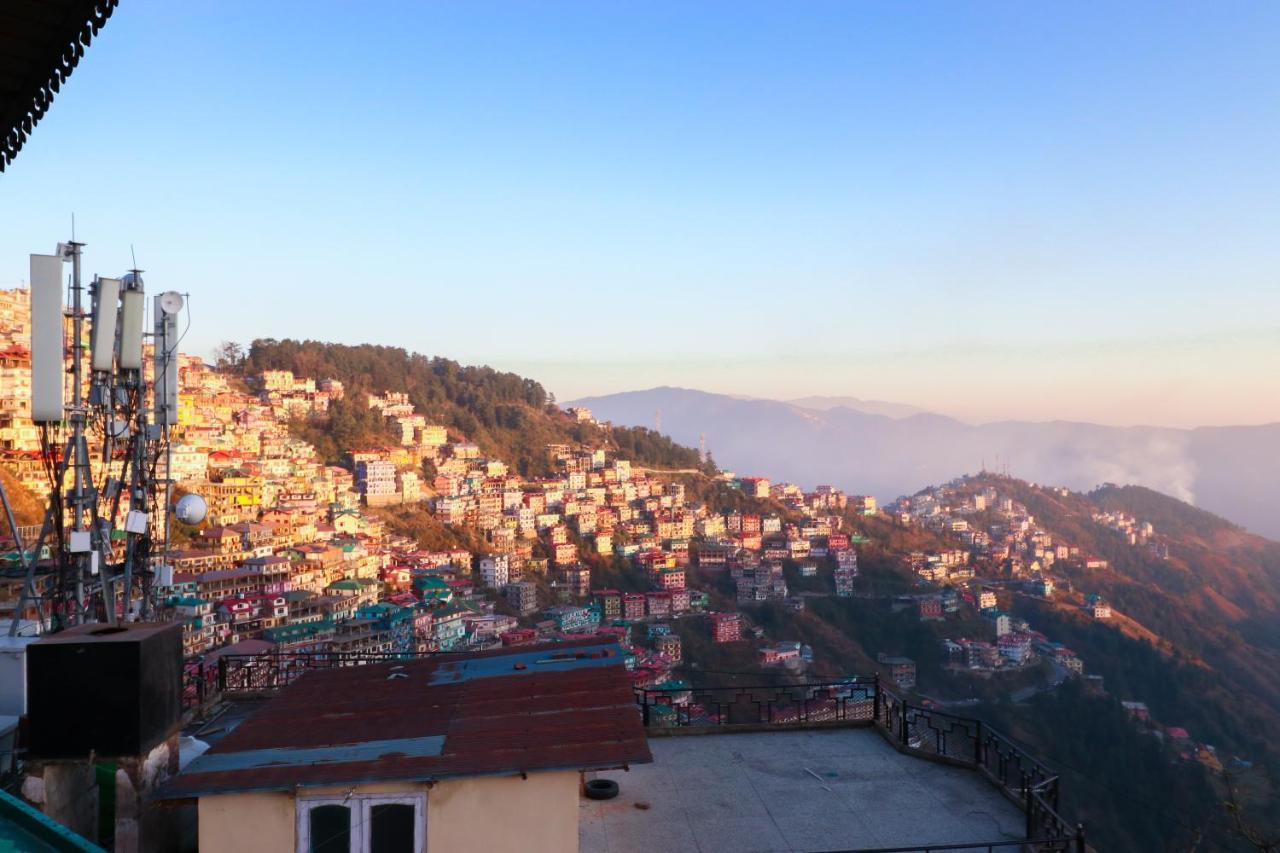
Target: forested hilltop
508,416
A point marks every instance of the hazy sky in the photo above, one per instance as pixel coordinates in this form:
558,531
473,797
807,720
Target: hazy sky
991,209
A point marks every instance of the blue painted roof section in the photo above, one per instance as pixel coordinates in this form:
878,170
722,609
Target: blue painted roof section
527,663
373,750
25,828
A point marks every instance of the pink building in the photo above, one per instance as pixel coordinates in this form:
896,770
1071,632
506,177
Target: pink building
725,627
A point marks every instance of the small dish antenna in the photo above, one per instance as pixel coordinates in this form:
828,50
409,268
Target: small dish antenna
191,509
171,302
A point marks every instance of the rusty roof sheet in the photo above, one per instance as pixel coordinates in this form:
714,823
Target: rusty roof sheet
492,713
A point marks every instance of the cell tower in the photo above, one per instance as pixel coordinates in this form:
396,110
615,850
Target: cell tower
702,447
657,420
102,449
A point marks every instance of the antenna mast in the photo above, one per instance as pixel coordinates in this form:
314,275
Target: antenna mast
100,550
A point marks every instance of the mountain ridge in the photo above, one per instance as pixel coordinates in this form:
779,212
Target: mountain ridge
1233,471
875,407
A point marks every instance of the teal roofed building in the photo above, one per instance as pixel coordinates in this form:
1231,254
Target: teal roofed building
433,589
394,619
448,628
298,632
571,620
385,612
25,828
12,557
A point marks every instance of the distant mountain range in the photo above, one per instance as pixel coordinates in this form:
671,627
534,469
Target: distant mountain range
870,407
886,449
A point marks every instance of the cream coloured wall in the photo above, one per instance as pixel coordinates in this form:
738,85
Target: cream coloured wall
498,814
247,823
495,814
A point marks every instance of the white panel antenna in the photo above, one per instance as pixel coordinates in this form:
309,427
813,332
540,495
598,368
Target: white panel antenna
106,309
132,308
167,306
47,343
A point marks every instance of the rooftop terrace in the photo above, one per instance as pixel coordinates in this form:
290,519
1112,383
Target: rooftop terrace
836,765
793,790
827,766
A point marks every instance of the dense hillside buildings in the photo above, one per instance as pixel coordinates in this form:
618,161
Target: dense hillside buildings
300,558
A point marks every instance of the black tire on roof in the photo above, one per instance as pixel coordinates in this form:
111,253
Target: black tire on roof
600,789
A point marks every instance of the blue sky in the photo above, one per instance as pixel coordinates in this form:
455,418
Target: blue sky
991,209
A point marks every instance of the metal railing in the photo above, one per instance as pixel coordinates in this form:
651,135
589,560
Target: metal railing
1046,845
204,680
198,680
969,741
813,703
915,729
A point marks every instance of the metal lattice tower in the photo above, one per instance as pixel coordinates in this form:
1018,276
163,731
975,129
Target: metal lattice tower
87,577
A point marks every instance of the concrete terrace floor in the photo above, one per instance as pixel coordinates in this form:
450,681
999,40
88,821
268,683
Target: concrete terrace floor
757,792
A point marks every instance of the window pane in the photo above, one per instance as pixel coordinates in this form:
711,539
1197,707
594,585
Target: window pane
330,829
391,829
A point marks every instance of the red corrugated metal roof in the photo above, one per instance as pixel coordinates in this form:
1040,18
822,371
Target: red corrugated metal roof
580,716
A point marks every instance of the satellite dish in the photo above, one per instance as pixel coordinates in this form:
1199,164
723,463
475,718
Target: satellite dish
190,509
171,302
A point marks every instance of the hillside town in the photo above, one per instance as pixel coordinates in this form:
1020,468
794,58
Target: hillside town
1004,549
1008,553
297,555
301,557
328,524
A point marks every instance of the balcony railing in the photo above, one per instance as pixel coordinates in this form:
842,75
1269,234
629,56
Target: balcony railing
1019,846
845,701
267,672
865,700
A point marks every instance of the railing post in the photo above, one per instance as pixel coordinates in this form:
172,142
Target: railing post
1028,802
902,723
1081,847
875,699
977,746
222,674
644,704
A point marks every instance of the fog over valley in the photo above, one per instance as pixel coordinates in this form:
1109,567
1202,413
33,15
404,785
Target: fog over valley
889,450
